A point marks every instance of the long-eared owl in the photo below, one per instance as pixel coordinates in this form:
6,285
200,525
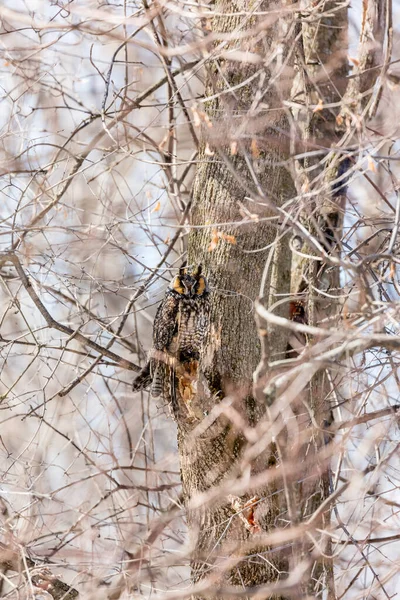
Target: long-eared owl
179,331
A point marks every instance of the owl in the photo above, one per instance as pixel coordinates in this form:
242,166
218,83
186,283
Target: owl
179,331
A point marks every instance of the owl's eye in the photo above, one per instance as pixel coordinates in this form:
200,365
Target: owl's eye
201,286
177,285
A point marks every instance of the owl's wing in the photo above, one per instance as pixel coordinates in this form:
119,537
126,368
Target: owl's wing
164,329
143,380
165,323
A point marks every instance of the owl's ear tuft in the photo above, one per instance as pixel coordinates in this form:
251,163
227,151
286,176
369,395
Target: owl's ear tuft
197,271
182,271
177,284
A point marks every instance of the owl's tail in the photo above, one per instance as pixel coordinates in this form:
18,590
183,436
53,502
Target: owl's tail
157,386
143,380
161,378
164,385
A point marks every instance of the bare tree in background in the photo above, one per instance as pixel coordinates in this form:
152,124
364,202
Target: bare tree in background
261,141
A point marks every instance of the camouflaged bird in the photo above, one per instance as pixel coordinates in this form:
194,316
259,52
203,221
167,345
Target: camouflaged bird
179,331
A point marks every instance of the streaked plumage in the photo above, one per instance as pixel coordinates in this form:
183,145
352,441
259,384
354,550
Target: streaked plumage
179,331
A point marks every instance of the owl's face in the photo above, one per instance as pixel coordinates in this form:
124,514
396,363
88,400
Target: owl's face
189,284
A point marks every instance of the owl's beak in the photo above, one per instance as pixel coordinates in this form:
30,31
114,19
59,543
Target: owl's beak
190,288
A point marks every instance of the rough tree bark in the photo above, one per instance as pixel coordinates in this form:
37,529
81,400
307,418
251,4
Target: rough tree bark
242,179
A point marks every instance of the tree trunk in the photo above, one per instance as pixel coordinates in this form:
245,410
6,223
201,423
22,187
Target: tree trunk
241,237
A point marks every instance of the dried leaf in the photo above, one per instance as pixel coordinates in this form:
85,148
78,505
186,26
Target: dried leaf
339,120
319,107
214,240
196,116
157,207
234,147
255,151
355,61
228,238
245,511
216,236
371,164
